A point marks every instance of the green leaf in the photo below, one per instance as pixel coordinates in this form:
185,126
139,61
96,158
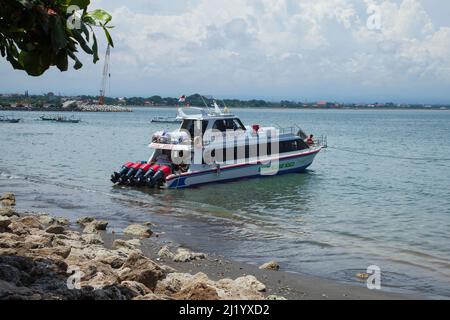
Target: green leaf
77,64
58,34
108,37
61,60
78,36
101,17
95,48
30,61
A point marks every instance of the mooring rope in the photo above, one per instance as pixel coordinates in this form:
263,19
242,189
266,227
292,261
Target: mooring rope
387,156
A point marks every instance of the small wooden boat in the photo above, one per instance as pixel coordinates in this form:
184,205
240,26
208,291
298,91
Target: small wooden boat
9,119
60,119
166,120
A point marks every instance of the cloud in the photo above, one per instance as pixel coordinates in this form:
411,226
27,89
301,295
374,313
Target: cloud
303,49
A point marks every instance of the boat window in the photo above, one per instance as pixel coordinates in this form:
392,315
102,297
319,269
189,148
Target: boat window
220,125
238,124
188,125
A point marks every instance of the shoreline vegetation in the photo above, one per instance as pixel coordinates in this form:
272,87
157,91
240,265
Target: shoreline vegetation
47,257
83,103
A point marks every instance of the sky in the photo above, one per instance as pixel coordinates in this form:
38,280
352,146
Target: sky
302,50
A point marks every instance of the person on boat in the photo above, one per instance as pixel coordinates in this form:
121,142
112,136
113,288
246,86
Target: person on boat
310,140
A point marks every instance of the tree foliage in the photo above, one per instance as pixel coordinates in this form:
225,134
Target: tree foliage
37,34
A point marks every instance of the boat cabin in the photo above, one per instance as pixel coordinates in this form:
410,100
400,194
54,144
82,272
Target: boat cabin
222,139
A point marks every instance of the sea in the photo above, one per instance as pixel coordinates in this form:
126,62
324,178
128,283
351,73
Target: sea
379,195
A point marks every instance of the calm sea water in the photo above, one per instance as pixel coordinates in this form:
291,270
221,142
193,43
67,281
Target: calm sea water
379,195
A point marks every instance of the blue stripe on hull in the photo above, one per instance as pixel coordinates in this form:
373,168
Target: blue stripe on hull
181,183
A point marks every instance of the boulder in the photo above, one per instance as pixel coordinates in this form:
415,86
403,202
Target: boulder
4,222
136,287
62,221
94,226
272,265
165,253
30,222
8,212
92,238
184,255
45,219
141,269
55,229
275,297
8,199
126,244
85,220
61,251
153,297
197,291
138,231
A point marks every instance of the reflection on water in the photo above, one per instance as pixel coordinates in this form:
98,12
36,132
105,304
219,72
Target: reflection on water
349,211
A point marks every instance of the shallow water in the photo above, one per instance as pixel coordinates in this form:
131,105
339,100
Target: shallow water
379,195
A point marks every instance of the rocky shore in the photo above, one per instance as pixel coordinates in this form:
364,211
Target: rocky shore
42,257
48,257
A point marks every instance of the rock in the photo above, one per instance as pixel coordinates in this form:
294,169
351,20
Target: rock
94,226
272,265
85,220
184,255
129,244
136,287
138,231
62,221
153,297
8,212
165,253
141,269
60,251
55,229
92,238
250,283
18,228
45,219
275,297
100,224
362,276
8,199
197,291
38,240
4,222
30,222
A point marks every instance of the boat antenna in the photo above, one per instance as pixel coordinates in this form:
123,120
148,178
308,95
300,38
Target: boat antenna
206,105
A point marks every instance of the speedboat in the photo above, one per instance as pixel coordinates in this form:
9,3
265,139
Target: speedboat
214,146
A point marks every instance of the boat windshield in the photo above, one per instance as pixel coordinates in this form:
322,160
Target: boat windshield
189,125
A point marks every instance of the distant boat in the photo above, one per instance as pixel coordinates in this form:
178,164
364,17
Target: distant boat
166,120
9,119
58,118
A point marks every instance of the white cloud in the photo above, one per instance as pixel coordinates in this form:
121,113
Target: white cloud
283,48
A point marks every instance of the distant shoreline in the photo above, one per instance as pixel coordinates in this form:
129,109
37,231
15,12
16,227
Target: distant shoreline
57,109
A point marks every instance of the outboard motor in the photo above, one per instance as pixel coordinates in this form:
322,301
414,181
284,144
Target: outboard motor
159,176
149,174
117,175
143,169
125,179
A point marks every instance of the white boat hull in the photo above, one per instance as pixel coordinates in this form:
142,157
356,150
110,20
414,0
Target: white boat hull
287,164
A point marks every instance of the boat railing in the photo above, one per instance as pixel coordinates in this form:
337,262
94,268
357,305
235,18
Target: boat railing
321,141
